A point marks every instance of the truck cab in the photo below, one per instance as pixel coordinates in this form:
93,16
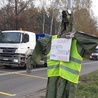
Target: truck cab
15,47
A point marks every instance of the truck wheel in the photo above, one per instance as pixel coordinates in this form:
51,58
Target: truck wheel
6,66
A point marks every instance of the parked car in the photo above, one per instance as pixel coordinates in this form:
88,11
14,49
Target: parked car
94,55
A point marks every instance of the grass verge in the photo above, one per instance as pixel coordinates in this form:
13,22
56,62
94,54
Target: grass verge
88,86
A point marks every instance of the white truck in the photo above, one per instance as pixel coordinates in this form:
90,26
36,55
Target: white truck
15,47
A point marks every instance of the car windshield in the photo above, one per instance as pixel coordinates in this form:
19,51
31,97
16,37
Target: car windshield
10,37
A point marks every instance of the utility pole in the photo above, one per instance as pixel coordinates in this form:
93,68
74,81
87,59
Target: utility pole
69,4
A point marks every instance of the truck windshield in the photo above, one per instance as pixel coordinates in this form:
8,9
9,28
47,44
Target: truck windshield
10,37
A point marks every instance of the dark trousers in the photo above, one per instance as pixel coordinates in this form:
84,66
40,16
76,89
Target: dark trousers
58,87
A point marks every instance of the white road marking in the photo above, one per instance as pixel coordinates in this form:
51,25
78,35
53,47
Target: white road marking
17,72
89,63
7,94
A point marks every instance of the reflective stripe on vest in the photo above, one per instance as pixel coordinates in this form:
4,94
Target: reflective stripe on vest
67,70
71,58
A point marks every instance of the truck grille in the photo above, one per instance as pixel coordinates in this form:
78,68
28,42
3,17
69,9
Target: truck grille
8,55
8,50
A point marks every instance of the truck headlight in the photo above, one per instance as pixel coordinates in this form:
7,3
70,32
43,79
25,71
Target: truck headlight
15,60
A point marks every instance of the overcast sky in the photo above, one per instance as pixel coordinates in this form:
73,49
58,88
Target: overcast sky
95,7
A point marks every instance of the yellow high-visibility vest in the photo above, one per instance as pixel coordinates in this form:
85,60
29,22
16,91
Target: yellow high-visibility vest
67,70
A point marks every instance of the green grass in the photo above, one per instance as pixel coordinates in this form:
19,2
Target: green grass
88,86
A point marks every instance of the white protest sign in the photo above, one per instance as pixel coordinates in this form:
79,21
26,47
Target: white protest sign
60,49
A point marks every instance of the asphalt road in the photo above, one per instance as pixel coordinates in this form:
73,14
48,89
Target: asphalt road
16,83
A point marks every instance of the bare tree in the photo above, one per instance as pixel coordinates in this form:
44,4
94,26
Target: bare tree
19,3
45,18
83,18
43,9
55,13
11,12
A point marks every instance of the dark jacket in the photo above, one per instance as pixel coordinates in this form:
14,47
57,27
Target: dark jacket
86,45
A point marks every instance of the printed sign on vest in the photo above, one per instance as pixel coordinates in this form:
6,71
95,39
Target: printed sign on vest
60,49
